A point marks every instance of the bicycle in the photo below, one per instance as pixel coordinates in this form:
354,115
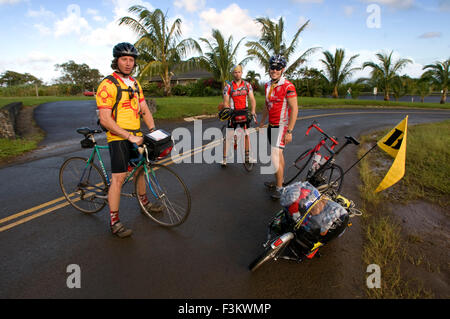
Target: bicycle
292,240
85,186
241,118
323,172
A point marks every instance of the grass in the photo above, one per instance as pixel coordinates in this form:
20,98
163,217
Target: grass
10,148
427,164
179,107
32,101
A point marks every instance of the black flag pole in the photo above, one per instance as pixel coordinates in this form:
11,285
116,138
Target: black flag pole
342,176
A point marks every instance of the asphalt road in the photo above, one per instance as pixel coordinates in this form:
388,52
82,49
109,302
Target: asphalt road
206,257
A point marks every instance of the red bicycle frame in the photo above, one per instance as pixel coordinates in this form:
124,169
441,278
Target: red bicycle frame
323,141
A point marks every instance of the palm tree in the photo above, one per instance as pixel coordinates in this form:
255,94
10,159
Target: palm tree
336,70
386,71
439,74
310,82
221,56
423,88
399,87
252,78
272,42
161,49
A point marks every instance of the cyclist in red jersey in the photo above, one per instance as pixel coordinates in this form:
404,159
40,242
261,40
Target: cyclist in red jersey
282,111
235,96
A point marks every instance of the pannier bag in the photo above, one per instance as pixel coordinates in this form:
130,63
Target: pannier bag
240,116
160,144
299,198
87,143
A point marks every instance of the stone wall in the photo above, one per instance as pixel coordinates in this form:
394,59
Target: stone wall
8,116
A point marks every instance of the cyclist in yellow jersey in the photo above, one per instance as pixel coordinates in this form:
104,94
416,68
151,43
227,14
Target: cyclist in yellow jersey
122,120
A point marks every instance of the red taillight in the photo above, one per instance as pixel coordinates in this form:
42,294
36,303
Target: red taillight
165,153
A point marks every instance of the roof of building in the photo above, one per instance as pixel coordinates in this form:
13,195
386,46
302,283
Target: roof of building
191,75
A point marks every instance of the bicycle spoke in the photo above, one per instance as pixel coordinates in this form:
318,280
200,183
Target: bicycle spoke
83,185
164,188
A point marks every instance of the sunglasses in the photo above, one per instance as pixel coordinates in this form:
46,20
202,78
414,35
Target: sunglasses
276,67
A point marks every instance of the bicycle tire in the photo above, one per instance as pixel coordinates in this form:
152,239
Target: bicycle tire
82,194
268,254
323,179
293,172
248,166
165,183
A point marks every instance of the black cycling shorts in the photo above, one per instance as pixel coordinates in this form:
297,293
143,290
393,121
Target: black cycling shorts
121,152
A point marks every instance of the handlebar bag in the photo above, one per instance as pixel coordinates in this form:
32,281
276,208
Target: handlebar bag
160,144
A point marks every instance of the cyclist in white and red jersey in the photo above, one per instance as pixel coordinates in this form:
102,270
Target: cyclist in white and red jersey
236,96
282,110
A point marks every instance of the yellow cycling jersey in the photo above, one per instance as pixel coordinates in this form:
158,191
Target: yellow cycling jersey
127,114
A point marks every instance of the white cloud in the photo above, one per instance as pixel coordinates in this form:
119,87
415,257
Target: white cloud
190,5
112,33
230,21
121,7
398,4
9,1
41,13
43,30
36,57
37,63
429,35
92,11
73,23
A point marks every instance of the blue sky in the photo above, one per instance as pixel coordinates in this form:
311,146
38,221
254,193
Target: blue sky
37,34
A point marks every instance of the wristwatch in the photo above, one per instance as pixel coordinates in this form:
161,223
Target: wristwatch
289,131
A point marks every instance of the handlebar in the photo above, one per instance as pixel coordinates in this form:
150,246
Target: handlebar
315,124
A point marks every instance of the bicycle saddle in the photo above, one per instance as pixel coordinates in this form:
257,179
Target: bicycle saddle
87,131
351,139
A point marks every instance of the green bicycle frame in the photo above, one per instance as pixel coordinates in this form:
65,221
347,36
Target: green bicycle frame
96,151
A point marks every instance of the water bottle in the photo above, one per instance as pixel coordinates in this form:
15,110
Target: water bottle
316,161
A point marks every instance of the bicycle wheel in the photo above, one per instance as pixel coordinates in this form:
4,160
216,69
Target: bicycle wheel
83,185
294,171
165,188
329,180
271,251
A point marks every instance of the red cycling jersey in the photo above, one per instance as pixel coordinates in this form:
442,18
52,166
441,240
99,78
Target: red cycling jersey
276,101
238,95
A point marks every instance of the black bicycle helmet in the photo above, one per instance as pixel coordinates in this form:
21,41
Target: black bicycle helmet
125,49
278,60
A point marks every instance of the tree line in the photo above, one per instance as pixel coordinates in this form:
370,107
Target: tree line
75,79
163,53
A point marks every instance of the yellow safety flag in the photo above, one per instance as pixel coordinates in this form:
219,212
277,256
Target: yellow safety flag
394,143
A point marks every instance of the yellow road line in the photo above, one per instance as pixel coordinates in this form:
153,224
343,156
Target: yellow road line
169,161
26,219
30,210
